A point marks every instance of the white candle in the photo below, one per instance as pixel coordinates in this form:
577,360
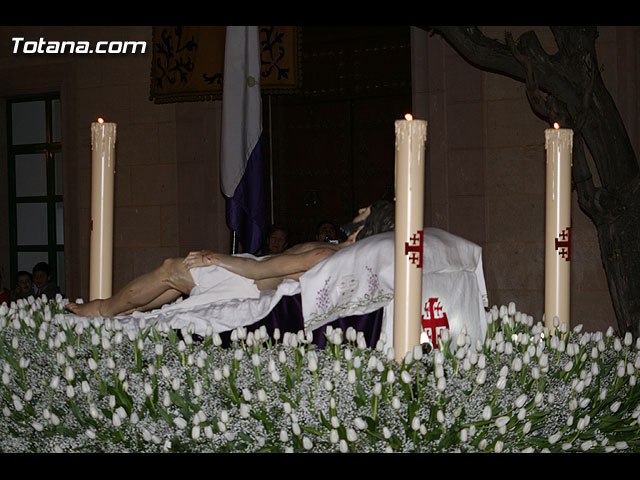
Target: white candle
411,136
559,146
103,139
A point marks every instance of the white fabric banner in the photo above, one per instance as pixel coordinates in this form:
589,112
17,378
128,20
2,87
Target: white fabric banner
241,104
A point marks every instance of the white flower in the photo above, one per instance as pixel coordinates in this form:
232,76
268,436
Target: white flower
92,364
622,445
502,421
486,412
391,377
395,403
583,422
148,389
195,432
377,389
262,395
521,400
336,367
38,427
516,365
246,394
312,362
335,422
68,373
615,406
197,389
352,436
175,384
481,377
405,376
115,419
501,383
224,416
70,391
586,445
415,423
344,448
554,437
307,443
360,423
442,384
498,446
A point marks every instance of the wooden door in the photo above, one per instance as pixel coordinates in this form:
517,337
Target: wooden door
332,144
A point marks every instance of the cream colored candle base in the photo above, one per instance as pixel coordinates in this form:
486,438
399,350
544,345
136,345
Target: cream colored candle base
411,136
103,138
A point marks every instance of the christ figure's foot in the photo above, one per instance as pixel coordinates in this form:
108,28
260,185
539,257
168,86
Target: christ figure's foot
90,309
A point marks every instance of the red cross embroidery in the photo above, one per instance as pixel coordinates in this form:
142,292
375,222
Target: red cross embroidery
415,249
434,320
564,246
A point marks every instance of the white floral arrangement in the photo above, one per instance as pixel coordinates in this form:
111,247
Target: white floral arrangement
88,387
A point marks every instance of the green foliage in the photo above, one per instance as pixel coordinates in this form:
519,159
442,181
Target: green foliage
101,386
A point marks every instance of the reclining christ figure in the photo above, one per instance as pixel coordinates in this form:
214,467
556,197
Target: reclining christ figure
174,277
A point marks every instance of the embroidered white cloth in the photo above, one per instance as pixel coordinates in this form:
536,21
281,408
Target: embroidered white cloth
359,280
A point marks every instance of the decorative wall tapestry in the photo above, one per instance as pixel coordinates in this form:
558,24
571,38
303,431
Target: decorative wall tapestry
188,62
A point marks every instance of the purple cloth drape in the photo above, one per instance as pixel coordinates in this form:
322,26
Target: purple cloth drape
287,316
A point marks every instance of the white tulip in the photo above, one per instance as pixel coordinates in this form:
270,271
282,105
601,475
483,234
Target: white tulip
415,423
360,423
486,412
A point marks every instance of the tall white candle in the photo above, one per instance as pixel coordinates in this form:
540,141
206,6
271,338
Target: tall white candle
411,136
557,288
103,139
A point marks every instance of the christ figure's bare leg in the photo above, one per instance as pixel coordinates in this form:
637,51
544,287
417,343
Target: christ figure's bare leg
150,290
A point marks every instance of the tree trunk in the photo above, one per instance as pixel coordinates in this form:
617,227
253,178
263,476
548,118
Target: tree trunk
567,87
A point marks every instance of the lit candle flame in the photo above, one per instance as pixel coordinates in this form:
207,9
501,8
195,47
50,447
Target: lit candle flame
100,120
408,117
556,125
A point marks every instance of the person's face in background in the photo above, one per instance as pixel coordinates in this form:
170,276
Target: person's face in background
277,241
25,283
326,231
41,279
